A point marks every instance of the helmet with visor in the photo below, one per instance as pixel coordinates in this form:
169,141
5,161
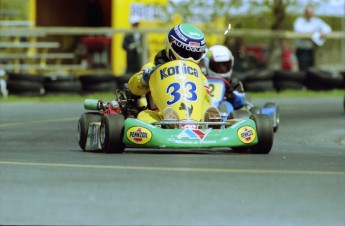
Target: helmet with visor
219,61
185,42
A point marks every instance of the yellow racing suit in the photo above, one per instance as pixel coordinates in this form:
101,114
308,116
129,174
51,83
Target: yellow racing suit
136,86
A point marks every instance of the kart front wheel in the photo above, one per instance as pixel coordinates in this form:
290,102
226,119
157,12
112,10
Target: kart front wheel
111,134
264,131
83,126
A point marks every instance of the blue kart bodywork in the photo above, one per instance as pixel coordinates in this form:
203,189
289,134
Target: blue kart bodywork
225,107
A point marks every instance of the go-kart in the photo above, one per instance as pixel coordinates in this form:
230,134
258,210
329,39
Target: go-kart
218,87
188,121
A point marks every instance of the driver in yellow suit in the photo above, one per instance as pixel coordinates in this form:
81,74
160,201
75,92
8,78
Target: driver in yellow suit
184,42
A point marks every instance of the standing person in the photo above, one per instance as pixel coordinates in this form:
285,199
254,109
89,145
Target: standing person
288,61
305,48
3,84
183,42
132,43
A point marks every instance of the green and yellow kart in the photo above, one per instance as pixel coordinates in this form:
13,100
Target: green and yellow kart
188,121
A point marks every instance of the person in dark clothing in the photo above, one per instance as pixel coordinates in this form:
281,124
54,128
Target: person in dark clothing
132,43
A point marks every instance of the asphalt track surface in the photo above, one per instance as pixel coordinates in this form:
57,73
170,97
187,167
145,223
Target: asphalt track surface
46,179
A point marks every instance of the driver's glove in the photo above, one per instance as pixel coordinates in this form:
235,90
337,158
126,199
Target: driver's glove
146,73
146,76
237,86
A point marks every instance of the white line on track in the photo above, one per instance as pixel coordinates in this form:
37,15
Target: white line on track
176,169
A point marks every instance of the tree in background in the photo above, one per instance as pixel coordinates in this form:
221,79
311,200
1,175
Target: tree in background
247,14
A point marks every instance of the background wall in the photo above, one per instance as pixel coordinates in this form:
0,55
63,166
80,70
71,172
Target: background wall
93,13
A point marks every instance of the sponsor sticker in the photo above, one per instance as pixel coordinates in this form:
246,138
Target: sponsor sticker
246,134
138,135
193,134
181,36
175,70
194,44
196,48
194,34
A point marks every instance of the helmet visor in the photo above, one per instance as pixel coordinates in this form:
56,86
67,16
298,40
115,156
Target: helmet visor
221,67
186,51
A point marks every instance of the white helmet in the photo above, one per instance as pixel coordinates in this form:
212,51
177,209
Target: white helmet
219,61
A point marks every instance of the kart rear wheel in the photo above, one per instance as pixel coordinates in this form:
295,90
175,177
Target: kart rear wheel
264,131
111,135
83,126
277,115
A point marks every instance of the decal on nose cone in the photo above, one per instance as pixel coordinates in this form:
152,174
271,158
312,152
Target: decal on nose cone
246,134
138,135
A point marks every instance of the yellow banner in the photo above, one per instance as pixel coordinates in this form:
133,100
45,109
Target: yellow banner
151,15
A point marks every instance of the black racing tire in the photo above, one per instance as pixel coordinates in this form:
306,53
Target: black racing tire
240,76
123,78
323,80
281,85
63,86
264,131
25,86
259,86
296,76
26,77
83,126
260,74
277,122
239,114
100,87
92,79
60,78
112,132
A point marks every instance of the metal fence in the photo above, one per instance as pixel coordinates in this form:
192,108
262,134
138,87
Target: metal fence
335,49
